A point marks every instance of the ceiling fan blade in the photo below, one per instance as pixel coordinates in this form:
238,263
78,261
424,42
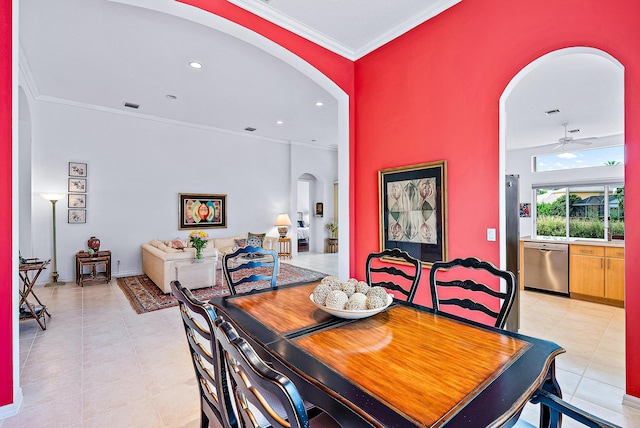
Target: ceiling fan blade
558,146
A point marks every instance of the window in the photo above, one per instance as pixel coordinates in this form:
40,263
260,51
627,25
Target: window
588,212
601,156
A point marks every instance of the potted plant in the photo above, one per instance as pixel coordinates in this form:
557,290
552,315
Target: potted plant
333,230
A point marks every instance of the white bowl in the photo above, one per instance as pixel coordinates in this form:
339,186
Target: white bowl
353,315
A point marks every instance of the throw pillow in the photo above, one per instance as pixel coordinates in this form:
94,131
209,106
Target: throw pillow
177,244
239,243
255,239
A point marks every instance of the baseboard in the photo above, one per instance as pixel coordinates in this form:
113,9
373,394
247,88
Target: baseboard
631,401
11,409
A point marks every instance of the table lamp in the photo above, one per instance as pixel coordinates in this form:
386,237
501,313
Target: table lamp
283,222
53,198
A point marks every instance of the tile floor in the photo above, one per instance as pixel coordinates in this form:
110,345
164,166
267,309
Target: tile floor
101,364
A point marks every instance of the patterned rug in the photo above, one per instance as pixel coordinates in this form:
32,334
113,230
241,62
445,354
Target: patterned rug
145,296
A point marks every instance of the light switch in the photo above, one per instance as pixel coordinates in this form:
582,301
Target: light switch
491,234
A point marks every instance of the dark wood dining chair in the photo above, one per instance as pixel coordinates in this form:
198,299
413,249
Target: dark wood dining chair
247,266
404,280
260,395
452,284
199,319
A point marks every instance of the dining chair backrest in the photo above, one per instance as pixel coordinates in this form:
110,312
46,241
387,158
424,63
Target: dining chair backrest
451,285
254,388
383,270
199,319
248,265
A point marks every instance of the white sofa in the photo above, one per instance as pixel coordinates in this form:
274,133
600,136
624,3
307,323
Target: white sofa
159,257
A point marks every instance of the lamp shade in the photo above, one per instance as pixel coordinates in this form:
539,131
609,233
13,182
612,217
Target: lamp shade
283,220
53,196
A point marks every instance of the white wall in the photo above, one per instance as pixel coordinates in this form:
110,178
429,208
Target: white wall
519,162
137,168
323,165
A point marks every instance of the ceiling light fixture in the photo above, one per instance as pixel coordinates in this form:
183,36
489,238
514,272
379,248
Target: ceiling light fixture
195,64
171,97
319,103
279,122
554,111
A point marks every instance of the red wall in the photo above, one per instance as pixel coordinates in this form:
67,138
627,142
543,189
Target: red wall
6,284
431,94
434,94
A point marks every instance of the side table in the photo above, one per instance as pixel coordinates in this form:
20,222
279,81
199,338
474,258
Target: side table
97,265
30,310
197,275
332,245
284,248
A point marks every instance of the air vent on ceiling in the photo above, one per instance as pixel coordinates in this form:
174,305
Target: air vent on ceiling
131,105
573,131
554,111
250,129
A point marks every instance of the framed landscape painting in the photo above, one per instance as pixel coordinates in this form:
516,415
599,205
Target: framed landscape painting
197,211
413,210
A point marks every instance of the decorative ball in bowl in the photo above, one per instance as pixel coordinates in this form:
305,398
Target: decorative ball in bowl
355,313
351,299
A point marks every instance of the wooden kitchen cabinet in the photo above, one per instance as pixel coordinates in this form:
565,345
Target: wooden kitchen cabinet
614,274
596,273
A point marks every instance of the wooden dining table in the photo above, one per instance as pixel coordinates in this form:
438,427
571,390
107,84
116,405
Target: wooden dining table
403,367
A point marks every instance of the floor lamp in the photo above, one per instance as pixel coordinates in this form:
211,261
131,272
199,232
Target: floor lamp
53,198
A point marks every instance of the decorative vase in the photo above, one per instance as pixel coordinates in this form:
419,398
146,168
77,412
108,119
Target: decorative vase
94,243
198,258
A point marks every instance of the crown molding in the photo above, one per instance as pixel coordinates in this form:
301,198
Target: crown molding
264,11
405,26
111,110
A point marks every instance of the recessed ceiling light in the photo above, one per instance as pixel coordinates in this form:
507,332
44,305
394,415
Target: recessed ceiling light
171,97
554,111
195,64
319,103
279,122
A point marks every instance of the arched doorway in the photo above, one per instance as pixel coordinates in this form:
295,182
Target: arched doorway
530,179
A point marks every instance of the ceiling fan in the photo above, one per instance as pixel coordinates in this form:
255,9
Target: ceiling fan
567,139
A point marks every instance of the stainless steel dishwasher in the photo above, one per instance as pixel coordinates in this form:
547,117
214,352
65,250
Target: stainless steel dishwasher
546,267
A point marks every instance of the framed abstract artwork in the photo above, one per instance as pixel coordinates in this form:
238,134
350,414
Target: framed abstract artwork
77,169
413,210
77,216
197,211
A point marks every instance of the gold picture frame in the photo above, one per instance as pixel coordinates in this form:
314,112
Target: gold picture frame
413,210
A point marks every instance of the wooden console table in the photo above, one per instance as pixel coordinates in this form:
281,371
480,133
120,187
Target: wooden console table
98,266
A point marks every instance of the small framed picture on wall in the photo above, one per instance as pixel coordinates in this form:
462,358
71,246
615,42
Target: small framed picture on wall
77,201
77,185
77,216
77,169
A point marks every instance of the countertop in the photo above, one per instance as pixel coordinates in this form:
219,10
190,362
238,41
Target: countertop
578,241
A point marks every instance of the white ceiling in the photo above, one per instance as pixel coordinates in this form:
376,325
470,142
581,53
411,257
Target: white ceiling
100,54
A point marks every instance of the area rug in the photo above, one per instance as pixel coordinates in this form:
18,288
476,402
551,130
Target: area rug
145,296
